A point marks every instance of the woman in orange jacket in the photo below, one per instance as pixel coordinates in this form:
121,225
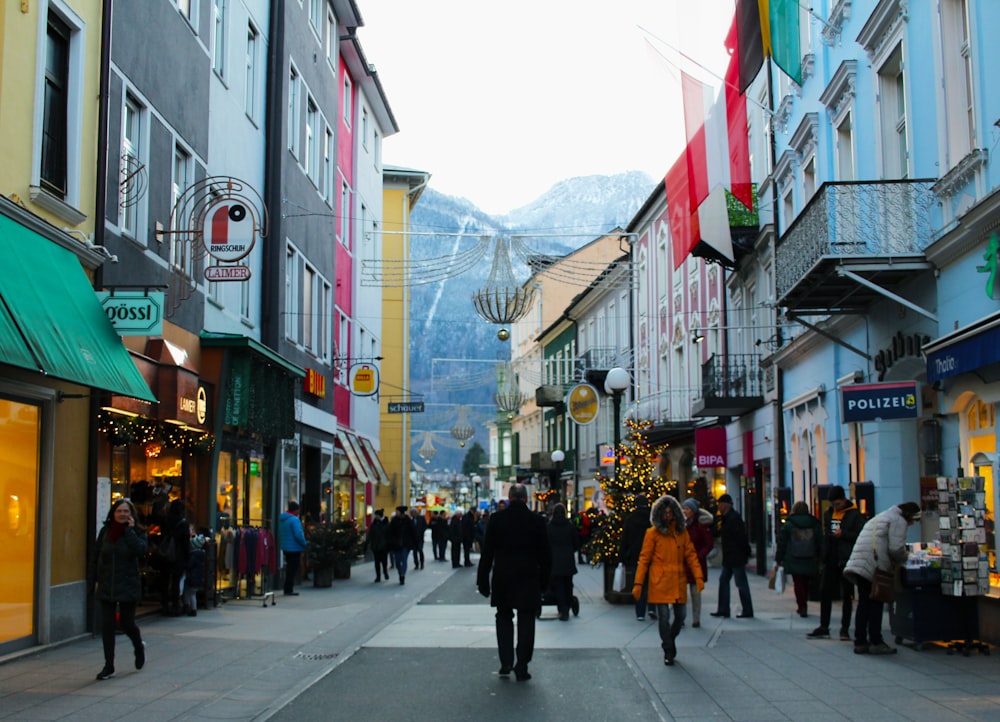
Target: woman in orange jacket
667,557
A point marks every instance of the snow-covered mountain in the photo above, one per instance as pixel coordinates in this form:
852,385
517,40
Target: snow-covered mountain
452,350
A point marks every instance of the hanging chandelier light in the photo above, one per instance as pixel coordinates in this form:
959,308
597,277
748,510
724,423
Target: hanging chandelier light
502,300
508,397
462,430
427,450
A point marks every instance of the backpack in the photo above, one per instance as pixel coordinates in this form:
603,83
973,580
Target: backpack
802,544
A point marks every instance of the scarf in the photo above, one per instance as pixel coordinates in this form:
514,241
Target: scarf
115,531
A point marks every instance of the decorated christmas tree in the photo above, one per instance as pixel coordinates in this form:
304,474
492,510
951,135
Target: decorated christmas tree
637,467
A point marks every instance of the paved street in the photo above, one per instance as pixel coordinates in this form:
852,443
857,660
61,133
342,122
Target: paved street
426,650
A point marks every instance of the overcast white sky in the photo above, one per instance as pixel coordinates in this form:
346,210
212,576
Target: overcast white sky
501,100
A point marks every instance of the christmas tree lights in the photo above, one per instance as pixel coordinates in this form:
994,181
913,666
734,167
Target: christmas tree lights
637,467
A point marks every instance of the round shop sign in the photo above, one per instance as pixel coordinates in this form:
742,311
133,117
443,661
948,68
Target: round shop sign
583,404
229,232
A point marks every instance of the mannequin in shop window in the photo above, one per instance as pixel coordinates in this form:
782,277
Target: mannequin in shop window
175,527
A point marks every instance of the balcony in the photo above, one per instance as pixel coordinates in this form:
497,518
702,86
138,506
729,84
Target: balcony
731,385
594,363
854,243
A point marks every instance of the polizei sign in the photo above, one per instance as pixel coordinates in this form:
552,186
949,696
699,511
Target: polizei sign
879,402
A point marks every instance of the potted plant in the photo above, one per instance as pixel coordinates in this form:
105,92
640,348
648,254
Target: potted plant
332,548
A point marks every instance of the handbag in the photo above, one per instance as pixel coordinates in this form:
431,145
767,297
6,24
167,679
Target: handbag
883,580
883,586
618,581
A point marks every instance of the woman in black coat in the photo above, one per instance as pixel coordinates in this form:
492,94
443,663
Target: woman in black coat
564,541
177,528
120,547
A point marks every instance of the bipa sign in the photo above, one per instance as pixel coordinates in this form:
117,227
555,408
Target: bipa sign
710,447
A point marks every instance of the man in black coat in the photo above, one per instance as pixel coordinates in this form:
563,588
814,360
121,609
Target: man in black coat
842,523
419,527
400,533
516,550
468,534
735,553
634,529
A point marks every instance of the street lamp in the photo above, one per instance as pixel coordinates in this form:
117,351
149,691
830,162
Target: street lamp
558,456
615,384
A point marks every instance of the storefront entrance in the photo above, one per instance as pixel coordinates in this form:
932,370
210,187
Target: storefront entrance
20,432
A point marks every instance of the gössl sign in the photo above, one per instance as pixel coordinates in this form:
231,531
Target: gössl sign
134,313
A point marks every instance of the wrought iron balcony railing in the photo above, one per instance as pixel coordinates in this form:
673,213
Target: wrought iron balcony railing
874,219
731,385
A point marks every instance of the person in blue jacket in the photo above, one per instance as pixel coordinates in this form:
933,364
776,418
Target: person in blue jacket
293,543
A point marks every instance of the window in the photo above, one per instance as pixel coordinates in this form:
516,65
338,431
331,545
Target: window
291,294
364,128
131,160
345,214
293,111
892,101
316,16
959,98
808,179
55,119
250,92
348,99
331,38
308,310
312,141
845,150
328,184
219,39
180,246
189,9
324,321
376,149
363,224
343,345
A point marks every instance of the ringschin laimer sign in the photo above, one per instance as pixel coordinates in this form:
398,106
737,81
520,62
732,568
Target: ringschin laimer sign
885,402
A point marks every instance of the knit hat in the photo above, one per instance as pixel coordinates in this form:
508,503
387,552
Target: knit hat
836,493
726,499
691,504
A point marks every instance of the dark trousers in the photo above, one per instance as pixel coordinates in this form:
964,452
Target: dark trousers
456,553
800,582
127,624
381,564
467,548
833,578
669,628
562,590
440,549
418,555
292,562
742,585
525,637
401,556
868,622
640,603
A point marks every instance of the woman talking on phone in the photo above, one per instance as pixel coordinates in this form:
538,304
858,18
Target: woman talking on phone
120,547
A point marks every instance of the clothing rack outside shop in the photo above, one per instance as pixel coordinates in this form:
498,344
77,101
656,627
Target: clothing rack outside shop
247,560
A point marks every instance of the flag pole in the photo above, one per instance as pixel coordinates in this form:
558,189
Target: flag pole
696,63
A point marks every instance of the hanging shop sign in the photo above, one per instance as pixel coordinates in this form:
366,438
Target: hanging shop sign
879,402
364,380
315,383
406,407
227,273
134,313
710,447
229,232
583,404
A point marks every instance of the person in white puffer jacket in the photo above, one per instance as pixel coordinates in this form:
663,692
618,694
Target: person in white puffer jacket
882,544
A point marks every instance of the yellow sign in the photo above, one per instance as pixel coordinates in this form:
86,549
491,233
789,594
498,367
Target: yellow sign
364,380
583,404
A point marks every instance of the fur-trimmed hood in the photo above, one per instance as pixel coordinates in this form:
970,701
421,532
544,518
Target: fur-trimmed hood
656,515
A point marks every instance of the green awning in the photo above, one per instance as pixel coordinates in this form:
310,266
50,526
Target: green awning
51,320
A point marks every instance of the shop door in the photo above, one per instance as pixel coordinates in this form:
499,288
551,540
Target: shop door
240,489
20,431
